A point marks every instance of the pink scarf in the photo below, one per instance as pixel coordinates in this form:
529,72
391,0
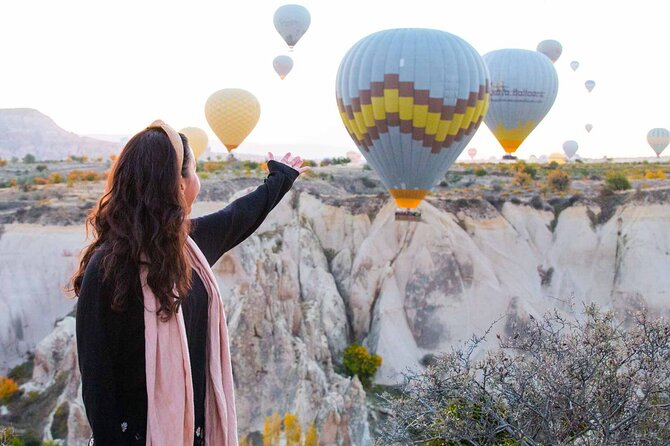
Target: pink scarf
170,417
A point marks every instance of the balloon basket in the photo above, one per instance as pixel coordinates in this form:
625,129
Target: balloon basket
407,215
509,157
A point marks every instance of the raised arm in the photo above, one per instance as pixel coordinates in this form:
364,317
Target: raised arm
95,360
218,232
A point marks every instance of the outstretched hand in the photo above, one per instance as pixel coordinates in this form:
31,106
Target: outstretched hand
294,162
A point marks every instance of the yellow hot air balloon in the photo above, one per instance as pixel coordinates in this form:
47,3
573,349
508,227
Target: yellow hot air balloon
232,113
197,140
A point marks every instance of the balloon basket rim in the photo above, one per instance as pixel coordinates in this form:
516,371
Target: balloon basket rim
407,215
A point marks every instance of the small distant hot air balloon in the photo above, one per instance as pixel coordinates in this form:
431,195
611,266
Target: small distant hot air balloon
411,99
570,148
472,152
291,22
559,158
232,113
589,85
588,127
282,65
574,65
524,85
658,139
197,140
550,48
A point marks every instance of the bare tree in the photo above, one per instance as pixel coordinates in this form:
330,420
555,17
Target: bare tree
554,381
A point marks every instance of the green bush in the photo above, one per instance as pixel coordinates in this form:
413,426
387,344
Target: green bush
29,159
358,361
522,179
558,180
480,172
617,181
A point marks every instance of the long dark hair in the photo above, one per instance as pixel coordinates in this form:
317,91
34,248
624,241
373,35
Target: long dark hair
142,217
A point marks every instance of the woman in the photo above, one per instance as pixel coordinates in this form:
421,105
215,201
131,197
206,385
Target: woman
151,332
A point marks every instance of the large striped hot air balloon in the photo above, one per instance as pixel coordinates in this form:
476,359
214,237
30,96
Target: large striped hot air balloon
523,88
232,113
550,48
658,139
291,22
197,140
411,99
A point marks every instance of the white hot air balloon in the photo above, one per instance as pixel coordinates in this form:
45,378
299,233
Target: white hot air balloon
291,22
570,148
590,85
658,139
574,65
550,48
282,65
588,127
524,85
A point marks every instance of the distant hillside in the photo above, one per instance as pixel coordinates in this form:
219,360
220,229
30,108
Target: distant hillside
25,130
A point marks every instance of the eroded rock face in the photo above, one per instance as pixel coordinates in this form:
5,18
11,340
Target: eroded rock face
316,277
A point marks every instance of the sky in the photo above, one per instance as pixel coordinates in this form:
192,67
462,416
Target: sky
113,67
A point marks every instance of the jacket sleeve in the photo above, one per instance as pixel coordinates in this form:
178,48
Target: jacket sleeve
94,348
221,231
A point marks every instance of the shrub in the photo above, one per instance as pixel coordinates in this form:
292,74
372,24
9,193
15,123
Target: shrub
203,175
292,430
29,158
3,163
480,172
655,175
309,163
617,181
41,167
558,180
341,160
325,162
40,181
358,361
55,178
522,179
8,388
553,380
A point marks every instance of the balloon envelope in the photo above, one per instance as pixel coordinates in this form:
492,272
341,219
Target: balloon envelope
472,152
232,113
658,139
589,85
574,65
588,127
550,48
570,148
291,22
282,65
557,157
197,140
523,88
411,99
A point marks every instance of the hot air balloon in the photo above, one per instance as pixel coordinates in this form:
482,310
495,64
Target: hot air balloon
658,139
197,140
291,22
282,65
589,85
523,88
550,48
232,113
559,158
472,153
574,65
411,99
570,148
588,127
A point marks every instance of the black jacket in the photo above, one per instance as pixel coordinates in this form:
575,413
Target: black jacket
110,345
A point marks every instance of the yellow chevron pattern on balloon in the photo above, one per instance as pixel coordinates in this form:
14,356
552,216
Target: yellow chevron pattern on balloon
511,139
232,113
383,107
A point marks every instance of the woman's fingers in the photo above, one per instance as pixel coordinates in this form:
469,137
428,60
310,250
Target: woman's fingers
286,158
270,156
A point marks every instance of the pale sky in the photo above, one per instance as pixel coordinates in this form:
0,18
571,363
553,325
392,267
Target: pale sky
113,67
